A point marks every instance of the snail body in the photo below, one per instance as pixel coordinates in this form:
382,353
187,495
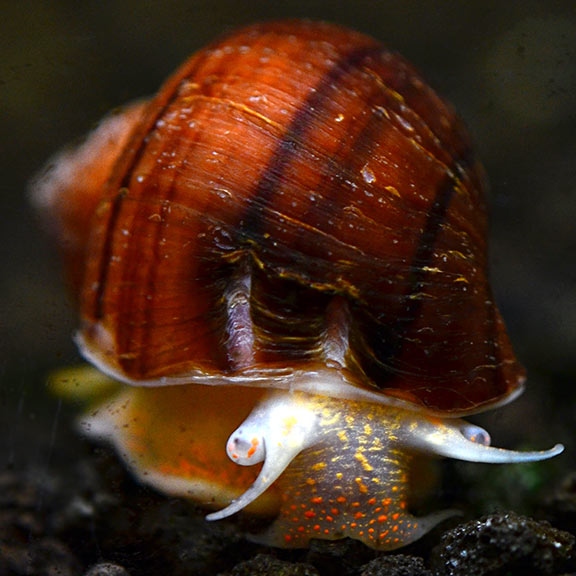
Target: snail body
297,222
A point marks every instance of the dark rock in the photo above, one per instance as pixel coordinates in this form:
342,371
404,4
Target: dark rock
396,565
107,569
338,557
504,544
26,543
266,565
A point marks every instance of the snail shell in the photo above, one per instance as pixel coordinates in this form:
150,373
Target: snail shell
295,211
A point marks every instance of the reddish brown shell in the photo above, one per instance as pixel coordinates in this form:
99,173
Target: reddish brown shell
308,173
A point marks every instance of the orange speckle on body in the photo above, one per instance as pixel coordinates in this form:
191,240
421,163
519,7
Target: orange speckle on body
309,513
372,501
382,518
359,515
341,499
395,516
316,500
361,486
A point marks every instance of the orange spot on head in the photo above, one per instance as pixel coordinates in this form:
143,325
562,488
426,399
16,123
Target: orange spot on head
252,449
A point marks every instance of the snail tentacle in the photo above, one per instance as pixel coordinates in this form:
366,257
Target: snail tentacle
455,438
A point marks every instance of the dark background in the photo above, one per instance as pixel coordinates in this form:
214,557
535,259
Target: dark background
508,67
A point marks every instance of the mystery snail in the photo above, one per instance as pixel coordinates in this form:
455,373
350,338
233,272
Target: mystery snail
282,256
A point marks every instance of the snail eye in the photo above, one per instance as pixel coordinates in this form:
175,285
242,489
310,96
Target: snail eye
476,434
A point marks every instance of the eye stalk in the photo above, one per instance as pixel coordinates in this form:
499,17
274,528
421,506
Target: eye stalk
455,438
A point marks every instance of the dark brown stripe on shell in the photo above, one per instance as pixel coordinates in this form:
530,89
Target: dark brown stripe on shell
388,340
296,133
